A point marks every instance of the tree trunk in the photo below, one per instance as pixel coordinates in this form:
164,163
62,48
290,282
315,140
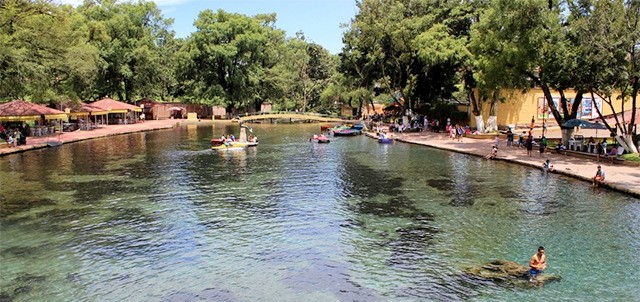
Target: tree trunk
626,141
492,124
479,123
492,121
566,135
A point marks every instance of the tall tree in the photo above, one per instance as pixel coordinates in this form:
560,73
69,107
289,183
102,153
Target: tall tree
311,69
527,42
379,50
131,38
609,33
228,53
44,54
446,42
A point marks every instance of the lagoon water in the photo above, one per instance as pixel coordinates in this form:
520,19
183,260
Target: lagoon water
157,216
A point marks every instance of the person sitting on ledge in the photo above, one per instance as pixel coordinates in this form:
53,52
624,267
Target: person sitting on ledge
547,166
599,178
493,154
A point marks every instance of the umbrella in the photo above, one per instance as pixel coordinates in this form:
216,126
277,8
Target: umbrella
576,122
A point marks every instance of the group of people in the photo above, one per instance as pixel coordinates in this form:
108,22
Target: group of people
13,137
457,131
527,141
601,149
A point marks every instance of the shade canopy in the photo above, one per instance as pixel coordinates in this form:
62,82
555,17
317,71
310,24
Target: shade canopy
84,109
19,110
113,106
584,124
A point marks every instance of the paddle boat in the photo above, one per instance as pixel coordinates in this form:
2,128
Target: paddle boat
326,127
221,145
384,139
344,130
320,139
250,141
230,143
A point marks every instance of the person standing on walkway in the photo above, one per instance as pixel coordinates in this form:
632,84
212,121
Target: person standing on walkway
533,121
599,178
537,264
543,145
509,137
529,144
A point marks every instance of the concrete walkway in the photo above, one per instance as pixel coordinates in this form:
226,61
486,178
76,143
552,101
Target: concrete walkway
74,136
619,177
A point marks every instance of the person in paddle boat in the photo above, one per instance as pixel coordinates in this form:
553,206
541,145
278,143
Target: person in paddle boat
537,264
382,135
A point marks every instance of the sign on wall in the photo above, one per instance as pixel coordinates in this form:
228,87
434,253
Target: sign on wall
585,109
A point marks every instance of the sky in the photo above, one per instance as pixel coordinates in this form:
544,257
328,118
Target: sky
319,19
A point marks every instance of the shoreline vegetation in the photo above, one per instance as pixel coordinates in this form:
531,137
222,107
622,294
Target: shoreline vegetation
625,179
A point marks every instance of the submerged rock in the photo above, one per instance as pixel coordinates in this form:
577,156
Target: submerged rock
508,272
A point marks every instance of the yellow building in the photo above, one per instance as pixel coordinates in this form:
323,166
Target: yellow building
518,108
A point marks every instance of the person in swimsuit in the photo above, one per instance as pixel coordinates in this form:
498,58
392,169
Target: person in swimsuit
538,263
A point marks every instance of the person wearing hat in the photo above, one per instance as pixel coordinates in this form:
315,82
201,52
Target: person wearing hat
599,176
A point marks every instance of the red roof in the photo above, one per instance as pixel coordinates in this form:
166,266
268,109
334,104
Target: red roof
109,104
611,120
24,108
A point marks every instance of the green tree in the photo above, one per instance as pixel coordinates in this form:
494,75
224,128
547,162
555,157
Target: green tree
525,42
311,68
229,54
135,47
44,57
446,44
379,51
609,33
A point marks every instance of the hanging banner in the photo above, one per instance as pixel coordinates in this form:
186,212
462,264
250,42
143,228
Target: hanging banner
544,112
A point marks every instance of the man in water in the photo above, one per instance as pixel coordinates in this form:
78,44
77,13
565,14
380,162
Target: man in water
538,263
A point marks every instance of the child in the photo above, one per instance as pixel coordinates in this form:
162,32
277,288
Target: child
493,154
547,166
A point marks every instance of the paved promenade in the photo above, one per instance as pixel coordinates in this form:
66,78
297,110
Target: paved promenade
74,136
619,177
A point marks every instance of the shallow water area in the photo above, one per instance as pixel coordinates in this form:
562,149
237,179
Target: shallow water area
158,216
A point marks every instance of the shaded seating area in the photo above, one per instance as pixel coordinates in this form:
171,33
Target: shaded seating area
85,116
118,112
577,143
46,120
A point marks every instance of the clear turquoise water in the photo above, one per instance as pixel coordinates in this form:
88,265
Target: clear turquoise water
157,216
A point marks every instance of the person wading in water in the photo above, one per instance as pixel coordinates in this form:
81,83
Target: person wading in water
537,264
